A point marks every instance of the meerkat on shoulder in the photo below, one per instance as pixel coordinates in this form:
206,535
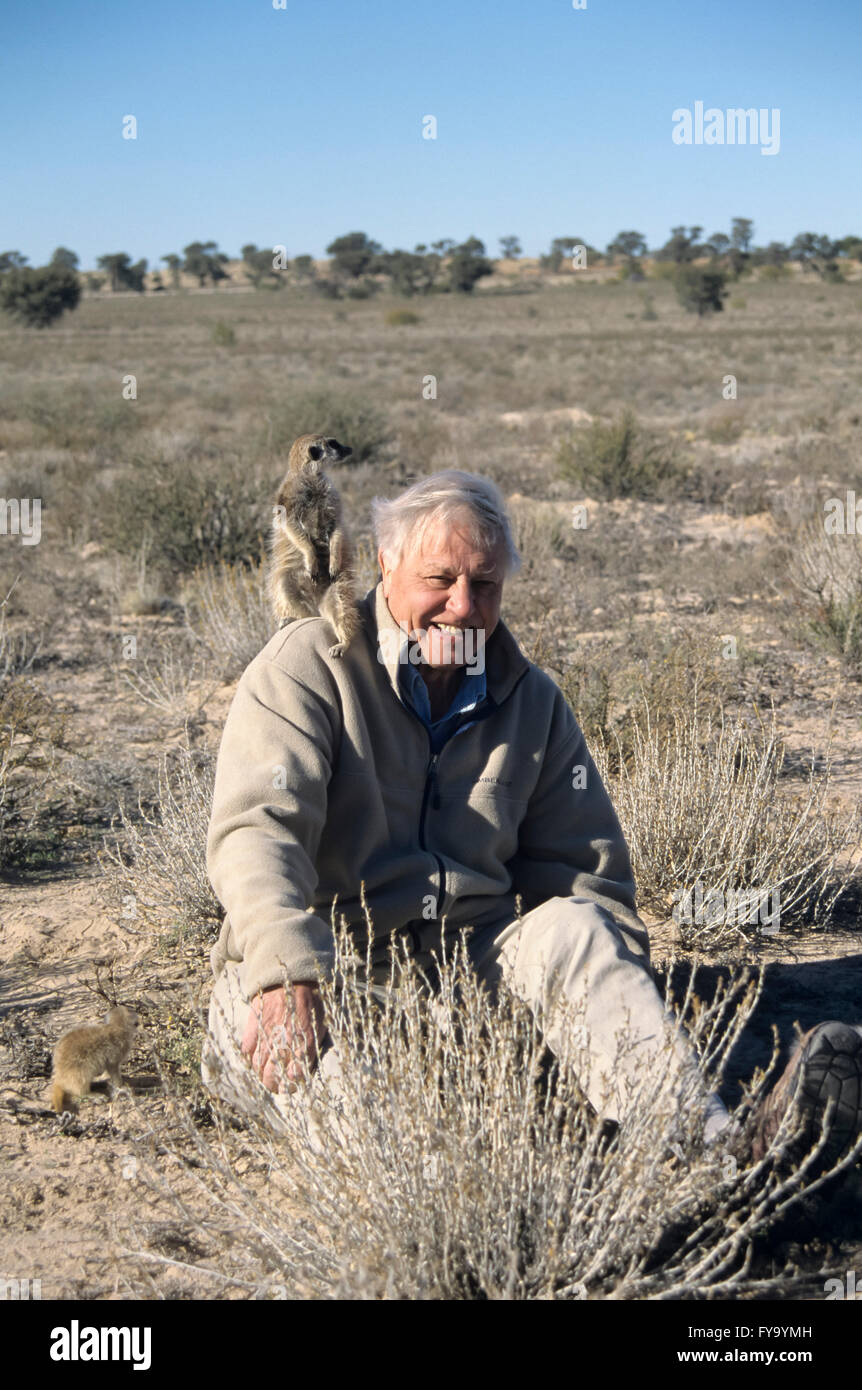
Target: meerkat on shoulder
310,570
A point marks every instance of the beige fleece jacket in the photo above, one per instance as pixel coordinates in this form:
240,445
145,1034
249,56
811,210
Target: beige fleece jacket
325,781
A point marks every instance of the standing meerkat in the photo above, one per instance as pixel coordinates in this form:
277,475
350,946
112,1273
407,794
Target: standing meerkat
85,1053
310,571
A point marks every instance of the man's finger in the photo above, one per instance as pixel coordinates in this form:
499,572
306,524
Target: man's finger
304,1057
249,1038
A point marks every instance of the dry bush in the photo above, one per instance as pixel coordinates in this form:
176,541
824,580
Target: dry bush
620,459
701,803
828,569
228,610
23,763
725,425
687,668
611,687
423,443
458,1160
30,733
74,416
222,334
349,416
175,679
18,650
157,864
187,514
134,587
398,318
540,532
727,483
590,686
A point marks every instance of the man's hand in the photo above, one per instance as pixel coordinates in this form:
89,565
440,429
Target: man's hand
272,1033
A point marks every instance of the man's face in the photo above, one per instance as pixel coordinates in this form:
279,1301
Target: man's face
445,582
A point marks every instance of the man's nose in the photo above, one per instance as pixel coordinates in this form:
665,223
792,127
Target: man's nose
461,597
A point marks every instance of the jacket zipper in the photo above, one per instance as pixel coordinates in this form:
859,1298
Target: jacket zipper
431,783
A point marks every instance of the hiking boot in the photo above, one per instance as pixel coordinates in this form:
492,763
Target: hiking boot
825,1066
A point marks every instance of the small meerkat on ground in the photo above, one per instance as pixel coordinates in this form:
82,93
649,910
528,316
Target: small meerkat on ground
83,1054
310,571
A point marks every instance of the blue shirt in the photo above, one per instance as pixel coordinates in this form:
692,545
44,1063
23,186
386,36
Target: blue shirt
470,696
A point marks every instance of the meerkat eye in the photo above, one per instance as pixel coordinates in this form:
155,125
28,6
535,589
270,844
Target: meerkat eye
315,452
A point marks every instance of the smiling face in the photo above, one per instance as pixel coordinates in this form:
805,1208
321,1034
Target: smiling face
444,586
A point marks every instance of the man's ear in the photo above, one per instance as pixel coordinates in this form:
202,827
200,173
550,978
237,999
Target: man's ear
384,572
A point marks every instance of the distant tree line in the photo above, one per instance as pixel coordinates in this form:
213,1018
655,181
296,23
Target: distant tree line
701,288
359,266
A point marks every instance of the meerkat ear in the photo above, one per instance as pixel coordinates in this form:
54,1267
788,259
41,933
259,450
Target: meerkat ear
315,452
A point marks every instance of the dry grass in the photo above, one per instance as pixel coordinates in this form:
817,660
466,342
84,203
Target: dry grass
31,728
540,533
228,611
458,1160
617,682
18,650
702,804
157,864
171,678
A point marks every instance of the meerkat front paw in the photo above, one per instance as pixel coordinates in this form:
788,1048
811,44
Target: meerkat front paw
338,649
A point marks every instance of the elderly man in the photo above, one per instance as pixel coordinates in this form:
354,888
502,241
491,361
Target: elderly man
440,768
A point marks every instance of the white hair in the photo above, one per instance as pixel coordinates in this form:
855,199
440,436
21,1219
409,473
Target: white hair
445,497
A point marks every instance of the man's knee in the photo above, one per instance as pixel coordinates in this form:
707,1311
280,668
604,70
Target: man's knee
569,935
563,925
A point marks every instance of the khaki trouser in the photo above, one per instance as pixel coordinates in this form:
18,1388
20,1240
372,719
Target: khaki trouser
568,949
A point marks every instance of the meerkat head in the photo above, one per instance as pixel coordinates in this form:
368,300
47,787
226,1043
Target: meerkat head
120,1014
312,451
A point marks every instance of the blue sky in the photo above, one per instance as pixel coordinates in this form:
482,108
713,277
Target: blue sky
295,125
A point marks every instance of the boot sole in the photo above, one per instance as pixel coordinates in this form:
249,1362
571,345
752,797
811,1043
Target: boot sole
830,1071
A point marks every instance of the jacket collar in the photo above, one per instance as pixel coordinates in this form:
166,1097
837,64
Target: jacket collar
505,663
